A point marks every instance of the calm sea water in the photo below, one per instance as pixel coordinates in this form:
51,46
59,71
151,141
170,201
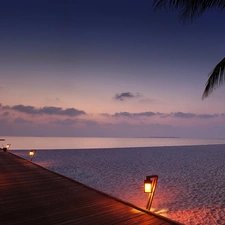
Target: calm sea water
24,143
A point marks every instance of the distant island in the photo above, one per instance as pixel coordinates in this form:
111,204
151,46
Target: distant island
163,137
158,137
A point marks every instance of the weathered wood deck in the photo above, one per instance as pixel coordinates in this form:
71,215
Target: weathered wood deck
30,194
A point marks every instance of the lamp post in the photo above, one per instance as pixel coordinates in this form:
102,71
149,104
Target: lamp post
150,185
32,154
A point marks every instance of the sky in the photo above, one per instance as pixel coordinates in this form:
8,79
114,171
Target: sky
96,68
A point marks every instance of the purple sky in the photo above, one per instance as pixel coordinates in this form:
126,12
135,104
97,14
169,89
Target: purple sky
108,68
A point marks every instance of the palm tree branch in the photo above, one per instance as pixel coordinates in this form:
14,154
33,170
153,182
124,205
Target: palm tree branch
216,78
189,9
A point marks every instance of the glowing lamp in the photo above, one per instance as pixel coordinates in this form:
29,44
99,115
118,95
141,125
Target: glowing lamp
148,185
32,153
7,146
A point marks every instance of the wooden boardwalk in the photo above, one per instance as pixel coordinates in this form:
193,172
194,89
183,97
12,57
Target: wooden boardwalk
30,194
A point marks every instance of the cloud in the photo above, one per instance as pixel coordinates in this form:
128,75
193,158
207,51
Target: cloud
105,114
192,115
183,115
141,114
123,114
126,95
208,116
47,110
70,122
148,114
21,120
180,115
66,122
111,128
90,123
6,114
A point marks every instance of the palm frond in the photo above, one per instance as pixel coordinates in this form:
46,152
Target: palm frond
216,78
189,9
168,4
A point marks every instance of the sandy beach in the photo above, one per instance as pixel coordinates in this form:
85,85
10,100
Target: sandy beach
191,183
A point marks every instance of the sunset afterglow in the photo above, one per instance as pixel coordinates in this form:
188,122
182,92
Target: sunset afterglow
108,69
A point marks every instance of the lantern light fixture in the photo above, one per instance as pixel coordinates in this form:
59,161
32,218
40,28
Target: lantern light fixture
149,187
6,147
32,154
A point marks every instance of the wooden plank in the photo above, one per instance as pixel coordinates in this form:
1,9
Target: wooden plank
30,194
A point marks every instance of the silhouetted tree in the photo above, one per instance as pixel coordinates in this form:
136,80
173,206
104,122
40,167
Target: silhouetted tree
189,10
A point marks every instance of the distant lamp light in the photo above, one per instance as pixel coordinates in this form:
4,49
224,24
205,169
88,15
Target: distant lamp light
32,154
149,187
6,147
